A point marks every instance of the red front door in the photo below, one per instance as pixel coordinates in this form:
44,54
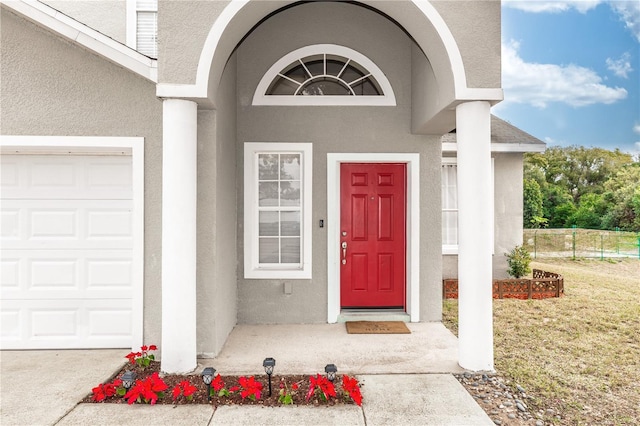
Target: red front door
372,235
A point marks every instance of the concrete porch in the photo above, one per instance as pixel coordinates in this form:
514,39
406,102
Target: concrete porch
307,348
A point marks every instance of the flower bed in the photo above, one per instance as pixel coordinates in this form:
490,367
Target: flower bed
543,285
152,387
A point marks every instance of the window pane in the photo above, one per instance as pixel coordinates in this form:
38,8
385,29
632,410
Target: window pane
290,193
268,166
297,73
351,73
268,194
334,66
268,226
290,166
290,225
146,33
281,86
268,250
290,250
324,87
315,67
450,228
366,87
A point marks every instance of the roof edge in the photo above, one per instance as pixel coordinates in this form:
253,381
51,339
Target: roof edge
85,36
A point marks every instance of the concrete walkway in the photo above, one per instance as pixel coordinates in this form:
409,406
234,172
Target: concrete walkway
406,381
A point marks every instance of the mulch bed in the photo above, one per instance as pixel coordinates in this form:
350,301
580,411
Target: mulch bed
200,396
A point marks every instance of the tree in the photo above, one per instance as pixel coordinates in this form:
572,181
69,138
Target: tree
622,193
586,187
533,214
590,212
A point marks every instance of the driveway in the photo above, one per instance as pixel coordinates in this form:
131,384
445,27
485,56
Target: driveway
40,387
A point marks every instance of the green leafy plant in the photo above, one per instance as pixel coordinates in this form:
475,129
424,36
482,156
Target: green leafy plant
518,260
286,395
142,358
218,387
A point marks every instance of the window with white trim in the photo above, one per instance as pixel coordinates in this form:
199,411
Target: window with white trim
277,210
142,26
449,184
324,74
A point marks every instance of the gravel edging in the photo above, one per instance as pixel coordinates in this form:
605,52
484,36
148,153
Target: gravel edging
504,405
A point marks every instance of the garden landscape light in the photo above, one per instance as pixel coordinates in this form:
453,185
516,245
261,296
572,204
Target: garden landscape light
207,377
268,365
127,379
331,371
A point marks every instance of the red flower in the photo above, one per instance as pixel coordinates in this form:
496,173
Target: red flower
234,388
350,387
148,389
185,388
250,388
131,357
153,347
325,387
295,386
98,393
103,391
144,348
217,384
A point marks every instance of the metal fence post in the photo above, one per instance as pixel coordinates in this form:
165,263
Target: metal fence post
573,227
535,244
617,240
601,247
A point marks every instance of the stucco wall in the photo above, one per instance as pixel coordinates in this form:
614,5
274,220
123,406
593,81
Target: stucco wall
507,170
106,16
49,88
333,129
216,266
475,24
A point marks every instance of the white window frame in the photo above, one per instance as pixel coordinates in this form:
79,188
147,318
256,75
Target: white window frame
252,268
386,99
452,249
132,23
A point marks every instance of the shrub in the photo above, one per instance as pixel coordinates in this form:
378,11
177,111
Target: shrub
518,260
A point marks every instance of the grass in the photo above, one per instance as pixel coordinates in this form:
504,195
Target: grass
579,354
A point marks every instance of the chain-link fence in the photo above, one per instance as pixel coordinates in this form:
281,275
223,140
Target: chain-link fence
575,242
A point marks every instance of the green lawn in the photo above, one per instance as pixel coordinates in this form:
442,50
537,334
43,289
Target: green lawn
579,354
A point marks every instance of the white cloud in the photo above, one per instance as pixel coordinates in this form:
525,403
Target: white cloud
541,84
636,128
620,67
541,6
627,10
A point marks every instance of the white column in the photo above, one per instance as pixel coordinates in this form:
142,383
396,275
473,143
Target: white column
179,186
475,205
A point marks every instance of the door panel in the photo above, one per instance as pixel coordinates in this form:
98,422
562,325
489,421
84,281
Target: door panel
373,235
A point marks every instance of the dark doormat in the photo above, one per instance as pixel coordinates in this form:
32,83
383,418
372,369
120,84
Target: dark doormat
377,327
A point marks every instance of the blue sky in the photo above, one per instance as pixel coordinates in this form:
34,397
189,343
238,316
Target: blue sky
571,71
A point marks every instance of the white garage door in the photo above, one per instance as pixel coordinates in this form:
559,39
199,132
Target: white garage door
66,251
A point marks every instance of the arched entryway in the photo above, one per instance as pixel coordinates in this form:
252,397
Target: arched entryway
439,100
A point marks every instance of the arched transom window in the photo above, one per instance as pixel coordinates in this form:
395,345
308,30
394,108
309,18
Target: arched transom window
324,74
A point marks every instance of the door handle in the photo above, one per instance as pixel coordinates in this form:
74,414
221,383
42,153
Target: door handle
344,252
